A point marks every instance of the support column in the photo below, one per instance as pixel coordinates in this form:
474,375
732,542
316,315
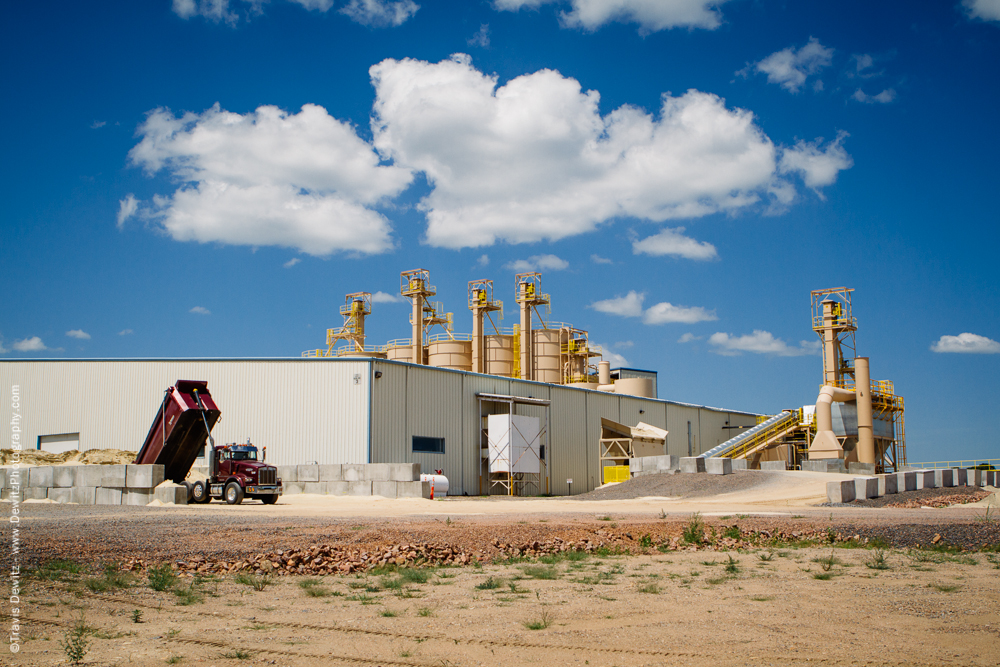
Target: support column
418,329
527,355
862,387
478,341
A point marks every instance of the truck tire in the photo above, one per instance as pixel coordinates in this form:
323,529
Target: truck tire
269,499
234,493
199,492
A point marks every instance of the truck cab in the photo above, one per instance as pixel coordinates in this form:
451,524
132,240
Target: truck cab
235,474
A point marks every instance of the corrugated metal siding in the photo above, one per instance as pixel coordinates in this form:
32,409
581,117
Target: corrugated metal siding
301,410
599,405
434,409
569,430
677,438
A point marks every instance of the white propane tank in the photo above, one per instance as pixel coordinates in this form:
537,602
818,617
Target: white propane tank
439,481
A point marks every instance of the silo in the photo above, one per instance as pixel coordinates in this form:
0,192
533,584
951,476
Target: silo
635,387
500,354
548,350
453,354
399,350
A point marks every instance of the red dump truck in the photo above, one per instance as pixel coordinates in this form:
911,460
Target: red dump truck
178,434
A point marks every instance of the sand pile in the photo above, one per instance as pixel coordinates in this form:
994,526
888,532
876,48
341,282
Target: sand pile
34,457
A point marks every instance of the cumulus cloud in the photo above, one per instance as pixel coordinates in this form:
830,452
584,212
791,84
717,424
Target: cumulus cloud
967,343
385,297
380,13
125,332
534,159
817,165
886,96
538,263
650,15
623,344
3,350
78,333
481,38
631,305
200,310
126,209
484,260
597,259
985,10
687,338
33,344
218,11
673,242
790,68
616,359
760,342
292,262
268,177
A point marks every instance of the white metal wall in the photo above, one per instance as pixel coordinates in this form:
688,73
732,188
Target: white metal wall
303,410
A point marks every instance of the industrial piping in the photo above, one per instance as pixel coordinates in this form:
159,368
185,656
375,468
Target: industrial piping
826,445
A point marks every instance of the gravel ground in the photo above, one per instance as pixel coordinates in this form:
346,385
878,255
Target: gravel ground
921,495
682,485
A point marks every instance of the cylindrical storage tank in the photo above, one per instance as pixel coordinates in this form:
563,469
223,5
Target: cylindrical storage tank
453,354
500,355
635,387
440,483
368,355
604,372
399,353
583,385
547,355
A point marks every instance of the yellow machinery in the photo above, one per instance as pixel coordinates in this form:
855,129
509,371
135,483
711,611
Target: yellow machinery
482,303
357,306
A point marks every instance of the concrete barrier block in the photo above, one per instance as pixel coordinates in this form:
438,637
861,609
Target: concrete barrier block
943,478
354,472
114,476
666,463
718,466
859,468
824,465
692,464
316,488
887,484
384,489
906,481
108,496
740,464
35,492
169,493
975,477
925,479
413,489
3,478
40,476
404,472
331,472
338,488
288,473
83,495
635,466
377,472
774,465
865,487
137,496
291,488
64,476
840,491
961,477
991,478
59,494
307,473
88,476
143,476
359,488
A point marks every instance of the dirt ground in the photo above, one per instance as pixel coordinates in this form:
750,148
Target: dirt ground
774,579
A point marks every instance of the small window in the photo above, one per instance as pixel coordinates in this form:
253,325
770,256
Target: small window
431,445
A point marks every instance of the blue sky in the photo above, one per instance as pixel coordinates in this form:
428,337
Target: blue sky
209,178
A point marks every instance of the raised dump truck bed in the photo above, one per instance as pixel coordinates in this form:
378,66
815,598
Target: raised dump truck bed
178,433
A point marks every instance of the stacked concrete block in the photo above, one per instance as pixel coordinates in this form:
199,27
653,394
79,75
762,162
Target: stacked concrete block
169,493
40,477
865,487
35,492
652,465
887,484
64,476
288,474
961,477
88,476
114,476
83,495
337,488
404,472
975,477
108,496
59,494
925,479
841,491
824,465
774,465
137,496
943,478
858,468
331,472
307,473
906,481
692,464
318,488
142,476
414,489
717,465
739,464
377,472
384,489
292,488
359,488
991,478
354,472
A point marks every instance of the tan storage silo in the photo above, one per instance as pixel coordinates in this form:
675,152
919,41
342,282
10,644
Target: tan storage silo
547,344
635,387
500,354
401,350
453,354
583,385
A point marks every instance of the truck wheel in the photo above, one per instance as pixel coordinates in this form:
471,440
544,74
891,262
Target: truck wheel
269,499
234,493
199,493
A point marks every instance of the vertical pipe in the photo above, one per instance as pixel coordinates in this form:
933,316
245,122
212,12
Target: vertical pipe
527,351
604,373
690,443
478,341
359,315
831,370
418,328
862,388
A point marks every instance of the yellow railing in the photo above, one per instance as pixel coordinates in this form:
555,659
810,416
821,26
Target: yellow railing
516,372
794,418
965,463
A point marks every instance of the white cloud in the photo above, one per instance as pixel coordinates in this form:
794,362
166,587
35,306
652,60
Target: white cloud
673,242
886,96
380,13
3,350
484,260
33,344
534,159
78,333
818,166
269,177
538,263
630,305
789,68
687,338
200,310
218,11
651,15
125,332
127,208
98,124
597,259
385,297
987,10
968,343
317,5
481,38
760,342
623,344
615,358
292,262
